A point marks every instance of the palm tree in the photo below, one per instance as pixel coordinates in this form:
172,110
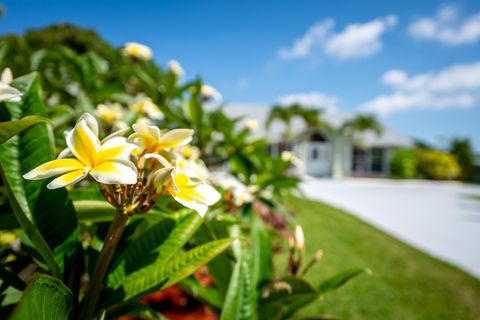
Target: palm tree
359,123
284,114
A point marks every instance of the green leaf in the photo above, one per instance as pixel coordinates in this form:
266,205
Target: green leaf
9,129
339,279
164,274
240,299
208,294
262,265
45,298
287,297
158,244
47,216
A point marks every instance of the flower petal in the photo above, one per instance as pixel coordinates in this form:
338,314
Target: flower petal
65,153
175,138
118,133
8,93
158,157
199,207
91,122
116,148
67,179
113,172
53,168
7,76
208,193
83,142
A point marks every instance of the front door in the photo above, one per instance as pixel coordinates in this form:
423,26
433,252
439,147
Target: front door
318,163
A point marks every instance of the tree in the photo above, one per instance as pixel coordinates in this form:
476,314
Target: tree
462,150
339,137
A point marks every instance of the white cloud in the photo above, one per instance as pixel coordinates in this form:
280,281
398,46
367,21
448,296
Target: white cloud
457,86
314,36
447,27
357,40
310,99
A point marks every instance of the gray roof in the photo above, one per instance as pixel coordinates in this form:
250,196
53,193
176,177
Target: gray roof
335,118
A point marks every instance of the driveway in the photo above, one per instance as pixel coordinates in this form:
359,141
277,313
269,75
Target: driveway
436,217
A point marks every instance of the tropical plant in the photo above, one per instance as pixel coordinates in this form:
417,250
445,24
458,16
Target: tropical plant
125,217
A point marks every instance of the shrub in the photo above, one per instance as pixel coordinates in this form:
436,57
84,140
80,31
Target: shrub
437,165
403,164
463,152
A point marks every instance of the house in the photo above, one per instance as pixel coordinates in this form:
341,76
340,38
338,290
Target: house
328,153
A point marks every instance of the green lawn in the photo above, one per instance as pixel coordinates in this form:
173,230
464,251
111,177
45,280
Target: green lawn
405,282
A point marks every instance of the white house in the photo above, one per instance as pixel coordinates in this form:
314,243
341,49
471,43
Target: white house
328,154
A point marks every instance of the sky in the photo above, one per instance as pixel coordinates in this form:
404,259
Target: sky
416,65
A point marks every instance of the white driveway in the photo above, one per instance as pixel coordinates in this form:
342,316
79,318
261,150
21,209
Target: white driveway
436,217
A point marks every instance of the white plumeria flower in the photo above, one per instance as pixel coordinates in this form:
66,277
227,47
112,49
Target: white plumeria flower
107,162
147,107
251,124
241,193
150,139
109,112
289,156
7,76
137,50
187,190
7,92
299,238
176,68
210,92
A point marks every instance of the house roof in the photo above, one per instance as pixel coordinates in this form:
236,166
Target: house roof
335,118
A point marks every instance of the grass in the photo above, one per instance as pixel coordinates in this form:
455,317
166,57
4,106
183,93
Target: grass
405,283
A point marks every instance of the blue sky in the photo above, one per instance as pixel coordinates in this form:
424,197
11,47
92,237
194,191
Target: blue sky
416,65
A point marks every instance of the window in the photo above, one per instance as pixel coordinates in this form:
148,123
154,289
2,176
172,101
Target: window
377,160
314,154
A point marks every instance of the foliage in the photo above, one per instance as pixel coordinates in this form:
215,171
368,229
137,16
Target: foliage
463,152
437,165
403,164
72,234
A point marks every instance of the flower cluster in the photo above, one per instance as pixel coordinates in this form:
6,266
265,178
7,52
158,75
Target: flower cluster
132,173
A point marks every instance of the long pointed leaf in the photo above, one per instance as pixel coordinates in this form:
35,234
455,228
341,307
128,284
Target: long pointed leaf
47,216
9,129
339,279
156,245
164,274
45,298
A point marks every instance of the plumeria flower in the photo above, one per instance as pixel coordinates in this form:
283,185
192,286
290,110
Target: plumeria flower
8,93
185,189
146,107
289,156
251,124
111,114
7,76
107,162
210,93
176,68
137,50
241,193
150,139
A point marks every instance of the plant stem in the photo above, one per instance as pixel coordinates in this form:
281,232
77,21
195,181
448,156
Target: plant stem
96,283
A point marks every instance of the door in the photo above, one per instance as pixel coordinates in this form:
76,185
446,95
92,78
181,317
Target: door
318,163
